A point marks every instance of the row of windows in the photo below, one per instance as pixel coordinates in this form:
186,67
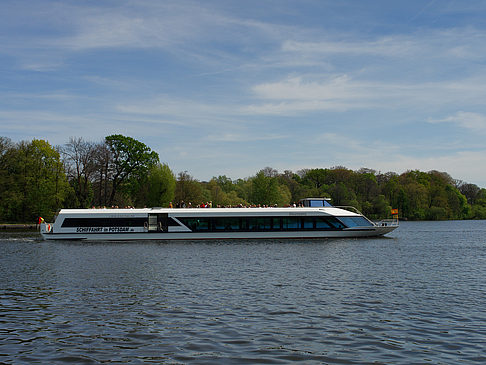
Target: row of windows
228,223
261,223
110,222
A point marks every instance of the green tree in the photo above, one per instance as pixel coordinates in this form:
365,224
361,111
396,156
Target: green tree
130,162
48,186
221,193
390,188
9,195
225,183
342,195
161,185
188,189
292,182
315,178
38,185
264,189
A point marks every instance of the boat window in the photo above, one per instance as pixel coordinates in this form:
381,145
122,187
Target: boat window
336,223
321,223
226,224
291,222
196,224
104,222
355,222
259,223
308,222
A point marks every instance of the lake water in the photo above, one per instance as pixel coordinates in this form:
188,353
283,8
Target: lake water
418,296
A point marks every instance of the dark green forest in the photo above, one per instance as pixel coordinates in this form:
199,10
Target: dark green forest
37,179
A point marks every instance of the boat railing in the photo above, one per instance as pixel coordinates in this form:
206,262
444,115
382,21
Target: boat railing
350,208
354,210
388,222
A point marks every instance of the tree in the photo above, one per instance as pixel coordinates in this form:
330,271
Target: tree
225,183
37,184
264,189
8,194
315,178
46,180
102,175
161,185
131,160
80,163
470,191
292,182
188,189
414,194
342,195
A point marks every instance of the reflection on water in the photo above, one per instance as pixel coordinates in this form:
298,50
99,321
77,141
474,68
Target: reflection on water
415,297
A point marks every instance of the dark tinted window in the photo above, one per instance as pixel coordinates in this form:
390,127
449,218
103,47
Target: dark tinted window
260,223
104,222
355,221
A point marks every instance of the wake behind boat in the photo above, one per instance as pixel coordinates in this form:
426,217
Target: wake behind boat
316,219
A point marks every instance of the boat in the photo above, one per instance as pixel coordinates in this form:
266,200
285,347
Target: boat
313,218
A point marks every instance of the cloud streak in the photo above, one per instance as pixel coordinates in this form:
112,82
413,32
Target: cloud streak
473,121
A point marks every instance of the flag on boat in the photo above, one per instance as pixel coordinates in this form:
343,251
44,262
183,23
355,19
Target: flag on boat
41,220
394,211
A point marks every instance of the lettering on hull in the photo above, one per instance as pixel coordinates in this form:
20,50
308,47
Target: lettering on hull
103,229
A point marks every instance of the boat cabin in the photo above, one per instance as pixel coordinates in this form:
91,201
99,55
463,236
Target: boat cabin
315,202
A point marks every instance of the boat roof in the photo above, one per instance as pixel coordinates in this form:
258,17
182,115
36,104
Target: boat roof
210,211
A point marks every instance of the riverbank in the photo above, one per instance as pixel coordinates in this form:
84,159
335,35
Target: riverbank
17,227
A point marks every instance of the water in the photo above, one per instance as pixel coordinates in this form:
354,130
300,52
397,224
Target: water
418,296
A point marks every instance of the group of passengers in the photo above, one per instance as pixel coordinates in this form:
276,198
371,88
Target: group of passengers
209,204
112,207
182,204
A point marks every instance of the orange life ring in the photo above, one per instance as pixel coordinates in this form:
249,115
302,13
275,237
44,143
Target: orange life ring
48,228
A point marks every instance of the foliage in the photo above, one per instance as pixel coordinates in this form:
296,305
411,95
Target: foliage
188,190
131,160
160,186
35,181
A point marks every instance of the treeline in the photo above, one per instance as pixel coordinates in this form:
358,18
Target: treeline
37,179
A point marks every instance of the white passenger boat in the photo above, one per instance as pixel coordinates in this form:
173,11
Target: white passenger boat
316,219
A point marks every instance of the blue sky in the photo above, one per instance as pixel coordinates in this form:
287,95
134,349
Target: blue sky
230,87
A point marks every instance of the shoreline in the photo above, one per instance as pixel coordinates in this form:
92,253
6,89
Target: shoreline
18,227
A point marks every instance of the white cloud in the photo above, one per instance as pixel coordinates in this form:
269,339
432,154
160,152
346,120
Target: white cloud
343,92
397,46
244,137
185,111
431,45
468,120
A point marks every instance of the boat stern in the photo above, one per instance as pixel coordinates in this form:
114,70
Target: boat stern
45,229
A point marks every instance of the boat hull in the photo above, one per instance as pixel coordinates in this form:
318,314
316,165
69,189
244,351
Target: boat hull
137,236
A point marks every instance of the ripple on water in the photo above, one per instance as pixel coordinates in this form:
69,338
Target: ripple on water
415,298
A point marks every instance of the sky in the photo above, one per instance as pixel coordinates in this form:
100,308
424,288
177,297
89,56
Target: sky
229,87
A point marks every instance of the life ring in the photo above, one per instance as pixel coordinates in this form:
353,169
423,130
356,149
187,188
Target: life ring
48,228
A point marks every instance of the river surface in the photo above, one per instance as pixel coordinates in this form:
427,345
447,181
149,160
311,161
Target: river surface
417,296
